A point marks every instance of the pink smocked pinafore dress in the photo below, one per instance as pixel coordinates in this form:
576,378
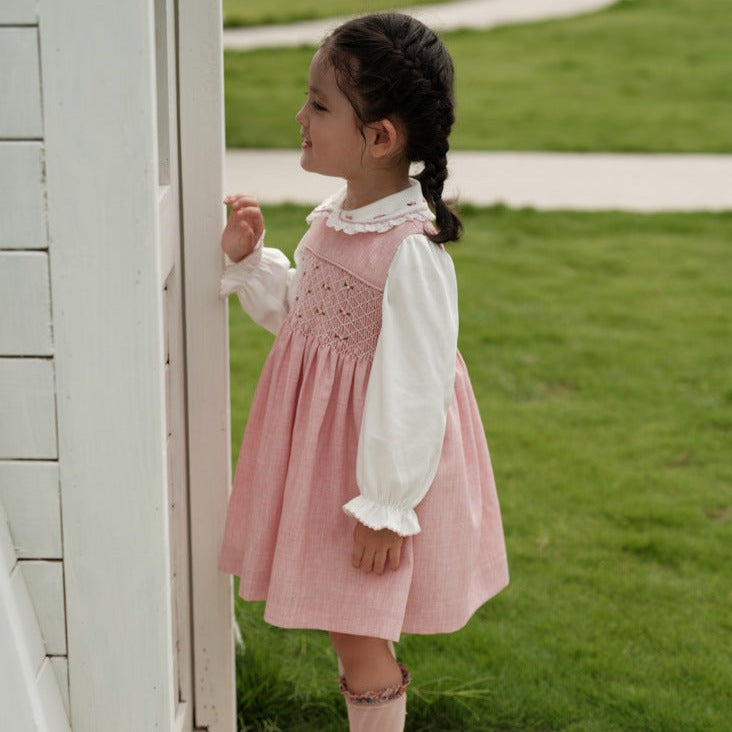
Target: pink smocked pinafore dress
287,536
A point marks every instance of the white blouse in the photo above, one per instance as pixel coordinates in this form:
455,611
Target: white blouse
412,375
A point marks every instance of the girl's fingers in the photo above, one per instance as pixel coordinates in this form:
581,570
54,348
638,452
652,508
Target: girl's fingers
252,216
373,549
239,200
395,555
357,554
367,561
249,212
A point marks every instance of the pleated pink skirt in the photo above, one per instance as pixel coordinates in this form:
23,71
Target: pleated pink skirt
288,539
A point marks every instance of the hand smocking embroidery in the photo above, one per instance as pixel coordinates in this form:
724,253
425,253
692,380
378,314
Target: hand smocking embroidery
336,308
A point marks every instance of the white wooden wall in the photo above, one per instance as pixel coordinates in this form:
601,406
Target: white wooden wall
83,434
33,622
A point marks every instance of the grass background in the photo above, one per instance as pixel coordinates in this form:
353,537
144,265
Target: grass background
643,75
598,345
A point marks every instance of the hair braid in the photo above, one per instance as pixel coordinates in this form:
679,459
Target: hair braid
391,65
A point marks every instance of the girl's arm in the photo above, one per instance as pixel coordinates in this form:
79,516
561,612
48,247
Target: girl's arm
261,276
410,389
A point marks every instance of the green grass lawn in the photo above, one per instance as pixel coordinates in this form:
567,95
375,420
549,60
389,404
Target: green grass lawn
246,12
644,75
599,348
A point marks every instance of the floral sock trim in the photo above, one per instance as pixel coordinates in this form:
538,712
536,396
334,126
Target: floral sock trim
378,697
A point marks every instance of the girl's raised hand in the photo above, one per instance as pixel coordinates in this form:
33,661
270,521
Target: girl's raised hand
372,549
244,227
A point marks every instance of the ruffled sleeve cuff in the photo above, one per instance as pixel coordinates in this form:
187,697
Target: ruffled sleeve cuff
402,521
236,273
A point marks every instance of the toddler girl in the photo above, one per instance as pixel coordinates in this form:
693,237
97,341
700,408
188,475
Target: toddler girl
363,500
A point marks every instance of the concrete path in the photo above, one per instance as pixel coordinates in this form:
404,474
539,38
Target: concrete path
480,14
581,181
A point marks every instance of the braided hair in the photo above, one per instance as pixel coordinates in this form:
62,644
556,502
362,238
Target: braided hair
391,65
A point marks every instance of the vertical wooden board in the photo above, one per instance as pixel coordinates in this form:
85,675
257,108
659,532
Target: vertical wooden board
22,196
20,84
61,669
27,409
97,64
45,584
171,284
29,492
25,304
51,700
17,12
202,151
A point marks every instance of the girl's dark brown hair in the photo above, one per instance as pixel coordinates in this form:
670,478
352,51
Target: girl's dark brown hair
390,65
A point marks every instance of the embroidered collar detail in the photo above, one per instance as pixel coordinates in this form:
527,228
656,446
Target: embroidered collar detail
382,215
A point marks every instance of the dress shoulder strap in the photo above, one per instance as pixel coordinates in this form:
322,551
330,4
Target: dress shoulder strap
366,255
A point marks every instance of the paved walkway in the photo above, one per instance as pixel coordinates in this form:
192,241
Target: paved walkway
479,14
583,181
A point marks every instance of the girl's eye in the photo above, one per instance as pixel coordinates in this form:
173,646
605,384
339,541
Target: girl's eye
315,105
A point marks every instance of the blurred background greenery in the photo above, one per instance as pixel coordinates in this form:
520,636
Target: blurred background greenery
643,75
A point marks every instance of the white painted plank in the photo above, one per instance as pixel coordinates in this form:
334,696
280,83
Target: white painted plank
45,582
202,151
29,491
15,676
27,409
27,627
22,204
15,12
20,84
61,669
25,304
28,699
55,716
98,87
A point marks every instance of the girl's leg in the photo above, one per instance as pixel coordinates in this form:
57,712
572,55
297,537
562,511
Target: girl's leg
373,683
368,663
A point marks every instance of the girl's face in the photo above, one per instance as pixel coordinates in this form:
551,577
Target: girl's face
332,142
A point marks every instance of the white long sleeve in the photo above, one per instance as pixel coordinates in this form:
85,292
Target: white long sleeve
264,283
410,388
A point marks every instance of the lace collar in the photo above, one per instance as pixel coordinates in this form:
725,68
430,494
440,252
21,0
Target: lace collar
382,215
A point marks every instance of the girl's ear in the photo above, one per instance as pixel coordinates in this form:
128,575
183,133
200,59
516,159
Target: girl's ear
386,138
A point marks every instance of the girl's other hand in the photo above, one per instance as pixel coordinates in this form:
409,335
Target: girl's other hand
373,549
244,227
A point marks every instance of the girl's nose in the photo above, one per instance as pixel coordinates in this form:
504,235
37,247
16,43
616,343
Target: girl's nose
300,116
